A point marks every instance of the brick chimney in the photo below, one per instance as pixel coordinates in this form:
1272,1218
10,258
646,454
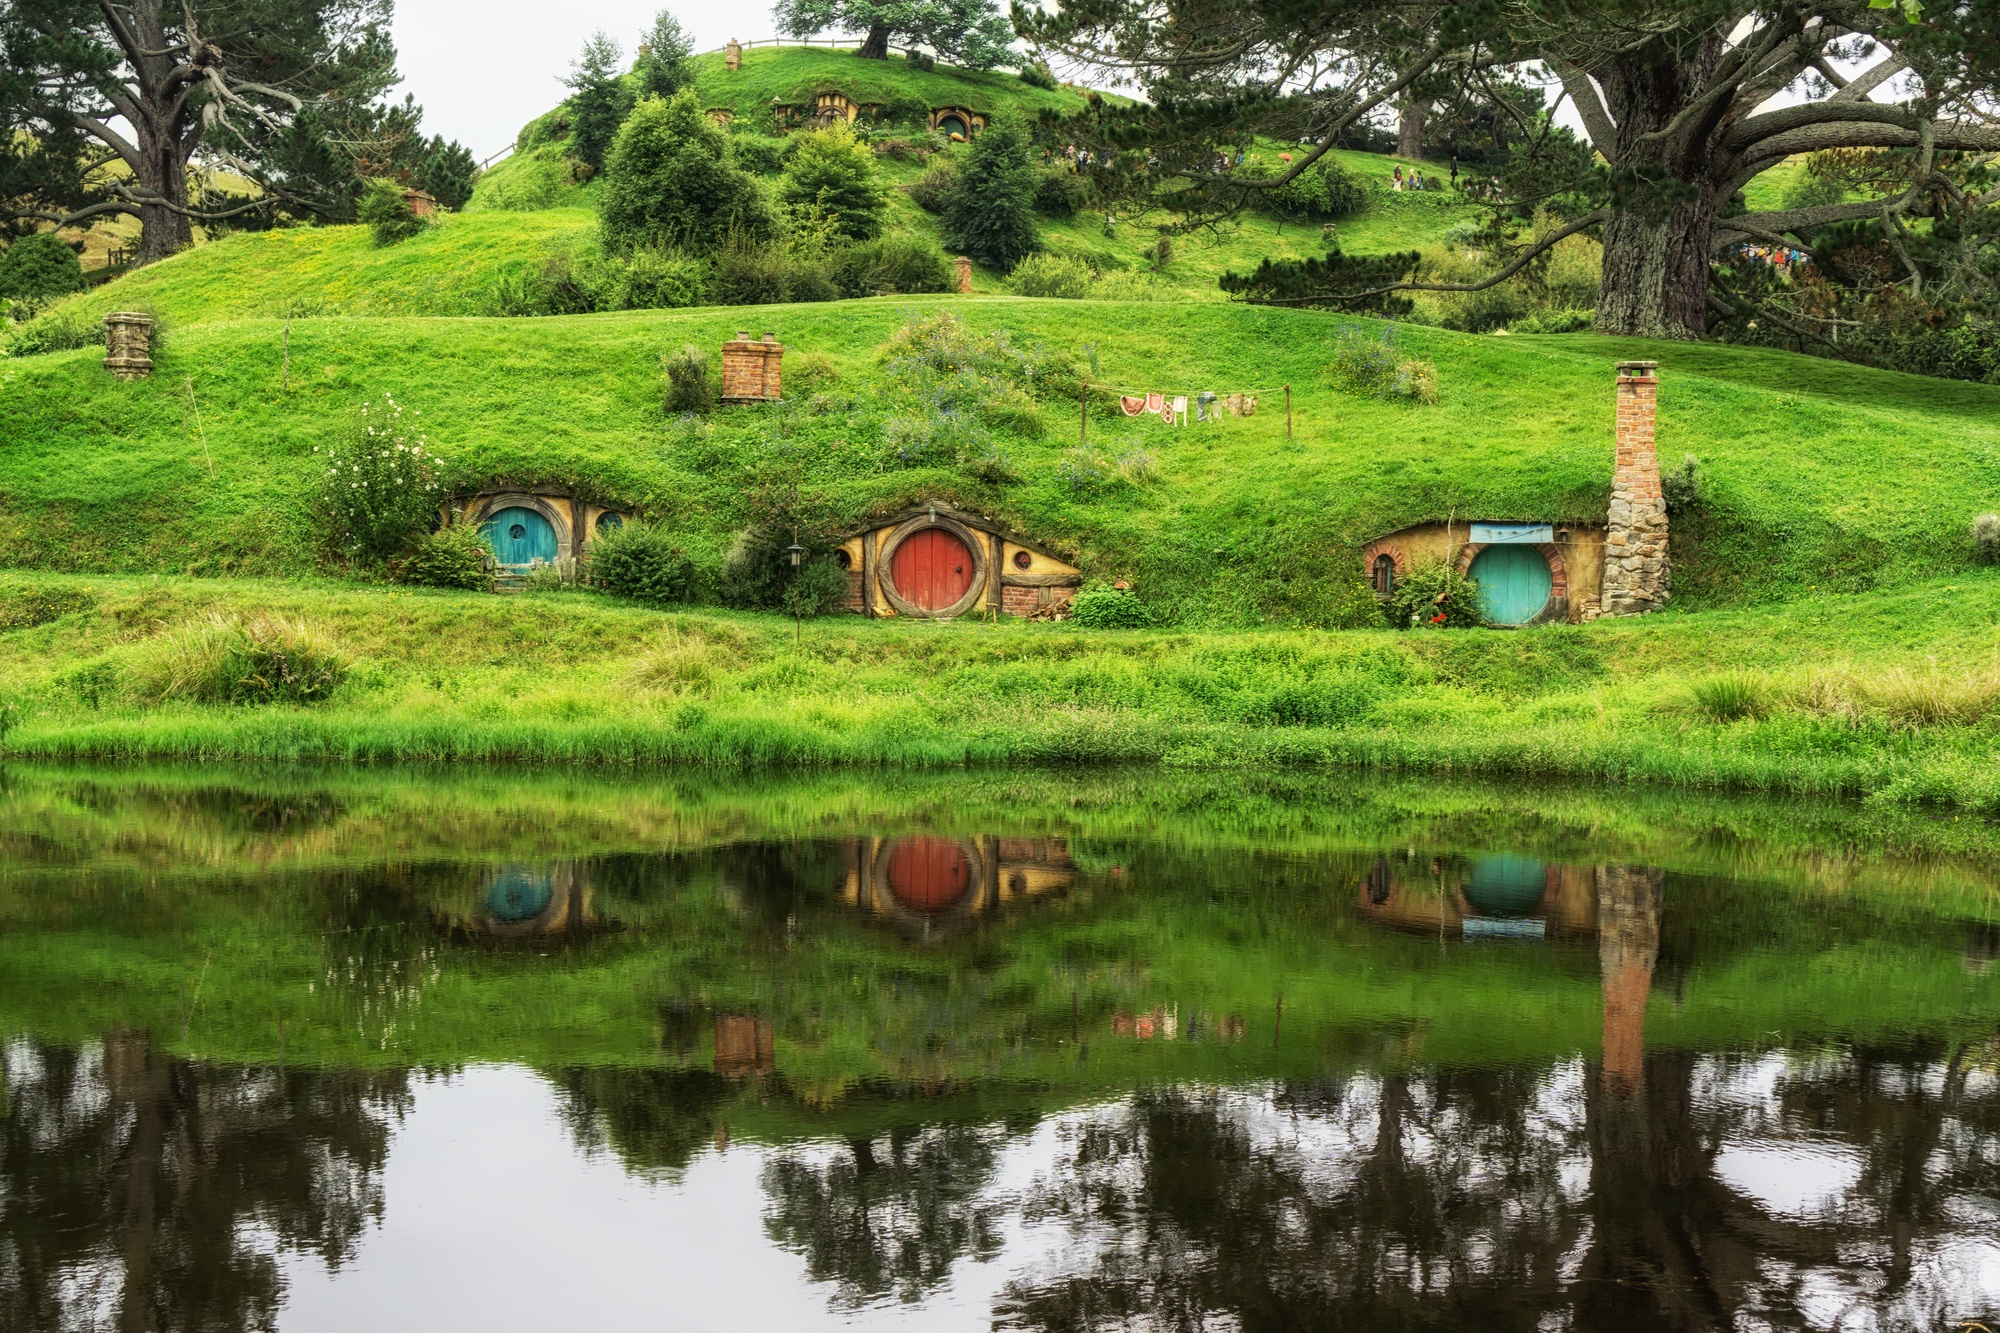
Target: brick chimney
752,369
1637,571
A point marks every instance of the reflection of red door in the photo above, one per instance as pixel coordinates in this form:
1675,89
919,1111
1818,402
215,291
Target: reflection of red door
932,569
928,874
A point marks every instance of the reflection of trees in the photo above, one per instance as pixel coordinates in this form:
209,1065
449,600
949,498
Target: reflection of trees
138,1184
655,1120
888,1214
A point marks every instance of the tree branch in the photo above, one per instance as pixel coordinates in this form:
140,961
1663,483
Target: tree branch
1590,108
1518,263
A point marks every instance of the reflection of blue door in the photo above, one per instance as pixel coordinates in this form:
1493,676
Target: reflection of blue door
1505,885
520,536
1514,583
518,894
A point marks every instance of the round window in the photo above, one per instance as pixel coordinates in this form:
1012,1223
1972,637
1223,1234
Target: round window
609,522
517,532
1022,559
843,559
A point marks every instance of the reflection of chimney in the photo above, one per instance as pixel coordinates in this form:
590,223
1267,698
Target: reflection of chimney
742,1045
1636,567
1628,944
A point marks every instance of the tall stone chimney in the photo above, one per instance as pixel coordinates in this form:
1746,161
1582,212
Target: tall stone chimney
1637,571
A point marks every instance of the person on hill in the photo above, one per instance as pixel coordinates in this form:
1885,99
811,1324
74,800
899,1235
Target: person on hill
1454,171
1399,178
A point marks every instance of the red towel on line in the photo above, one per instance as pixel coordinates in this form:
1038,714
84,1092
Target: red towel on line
1133,406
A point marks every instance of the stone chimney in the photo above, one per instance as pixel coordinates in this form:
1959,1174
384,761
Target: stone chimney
961,269
1637,571
732,55
128,345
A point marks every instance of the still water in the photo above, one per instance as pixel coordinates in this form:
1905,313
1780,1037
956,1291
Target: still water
339,1050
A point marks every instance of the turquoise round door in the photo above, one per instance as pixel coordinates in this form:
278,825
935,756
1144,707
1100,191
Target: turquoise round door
520,536
518,894
1514,583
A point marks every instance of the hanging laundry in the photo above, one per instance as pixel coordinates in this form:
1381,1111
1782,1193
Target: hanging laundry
1241,404
1201,402
1167,413
1180,410
1133,406
1155,401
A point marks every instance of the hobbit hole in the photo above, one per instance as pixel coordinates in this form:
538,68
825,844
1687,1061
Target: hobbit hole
936,562
527,528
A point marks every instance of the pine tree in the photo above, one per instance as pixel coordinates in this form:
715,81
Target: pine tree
991,214
664,68
599,103
668,181
833,169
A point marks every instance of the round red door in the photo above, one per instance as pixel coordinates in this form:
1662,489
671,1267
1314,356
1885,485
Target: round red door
932,569
928,874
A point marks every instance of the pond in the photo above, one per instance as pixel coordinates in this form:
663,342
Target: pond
325,1049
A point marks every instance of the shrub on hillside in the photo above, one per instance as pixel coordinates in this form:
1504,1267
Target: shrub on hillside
1680,487
748,271
1322,191
378,488
59,331
756,154
455,556
809,373
902,264
385,209
833,170
1059,193
991,214
940,347
1035,74
1051,275
651,279
932,189
37,268
690,385
668,181
1365,364
643,562
222,660
25,605
757,573
1109,608
1433,595
1986,539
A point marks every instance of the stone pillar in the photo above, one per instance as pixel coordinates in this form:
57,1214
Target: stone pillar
962,270
732,55
128,345
752,369
1637,571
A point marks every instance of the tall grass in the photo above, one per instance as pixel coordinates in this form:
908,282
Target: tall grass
219,659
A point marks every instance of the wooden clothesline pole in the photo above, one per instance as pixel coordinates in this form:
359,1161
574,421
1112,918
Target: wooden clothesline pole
1083,417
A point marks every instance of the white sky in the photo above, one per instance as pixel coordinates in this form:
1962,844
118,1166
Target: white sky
483,71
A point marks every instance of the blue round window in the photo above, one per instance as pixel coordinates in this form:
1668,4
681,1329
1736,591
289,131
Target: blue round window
517,532
609,522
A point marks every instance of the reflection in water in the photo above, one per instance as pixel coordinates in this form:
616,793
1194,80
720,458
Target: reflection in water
1096,1082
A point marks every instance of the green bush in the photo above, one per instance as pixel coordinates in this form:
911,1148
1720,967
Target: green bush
1059,192
1567,320
653,279
378,488
641,561
901,264
1051,275
833,170
455,556
58,331
809,373
384,207
1433,595
1035,74
221,660
1680,487
690,386
668,181
1109,608
757,573
749,271
933,188
1323,191
991,214
756,154
39,267
1365,364
1986,539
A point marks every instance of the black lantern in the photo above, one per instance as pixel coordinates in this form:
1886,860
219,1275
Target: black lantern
797,553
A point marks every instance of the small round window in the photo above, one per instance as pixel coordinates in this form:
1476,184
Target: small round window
608,522
517,532
843,559
1022,559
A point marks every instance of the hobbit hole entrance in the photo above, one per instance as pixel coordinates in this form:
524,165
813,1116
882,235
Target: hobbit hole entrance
929,875
1506,886
1514,583
932,569
520,536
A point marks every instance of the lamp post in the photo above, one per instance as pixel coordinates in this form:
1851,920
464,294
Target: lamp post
798,554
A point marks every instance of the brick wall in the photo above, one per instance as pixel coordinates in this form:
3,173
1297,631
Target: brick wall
1637,571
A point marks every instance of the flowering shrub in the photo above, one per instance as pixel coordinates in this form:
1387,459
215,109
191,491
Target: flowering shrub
1433,595
452,557
379,487
1368,365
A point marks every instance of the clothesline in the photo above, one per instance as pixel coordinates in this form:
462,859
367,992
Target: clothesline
1172,408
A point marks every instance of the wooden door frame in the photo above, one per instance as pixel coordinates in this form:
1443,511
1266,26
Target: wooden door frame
885,566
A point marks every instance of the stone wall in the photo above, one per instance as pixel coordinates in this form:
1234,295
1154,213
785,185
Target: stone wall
1637,571
128,345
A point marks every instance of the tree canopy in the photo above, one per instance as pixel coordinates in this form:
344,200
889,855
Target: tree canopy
834,171
668,181
1676,96
664,66
112,103
969,33
598,102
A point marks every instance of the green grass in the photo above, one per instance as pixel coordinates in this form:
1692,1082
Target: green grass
578,678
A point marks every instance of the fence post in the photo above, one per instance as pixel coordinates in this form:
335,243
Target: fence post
1288,413
1083,417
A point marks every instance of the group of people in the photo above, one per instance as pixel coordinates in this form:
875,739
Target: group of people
1076,159
1783,258
1415,180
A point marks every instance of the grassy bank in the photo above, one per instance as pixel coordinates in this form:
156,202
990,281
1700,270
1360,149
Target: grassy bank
1891,695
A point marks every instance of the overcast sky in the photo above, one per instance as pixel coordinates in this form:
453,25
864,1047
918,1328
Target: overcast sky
482,71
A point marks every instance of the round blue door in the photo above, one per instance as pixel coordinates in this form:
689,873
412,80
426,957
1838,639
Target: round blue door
520,536
1506,885
1514,583
518,894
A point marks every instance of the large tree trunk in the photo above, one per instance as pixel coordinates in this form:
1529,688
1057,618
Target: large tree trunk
163,232
161,135
876,45
1656,245
1410,129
